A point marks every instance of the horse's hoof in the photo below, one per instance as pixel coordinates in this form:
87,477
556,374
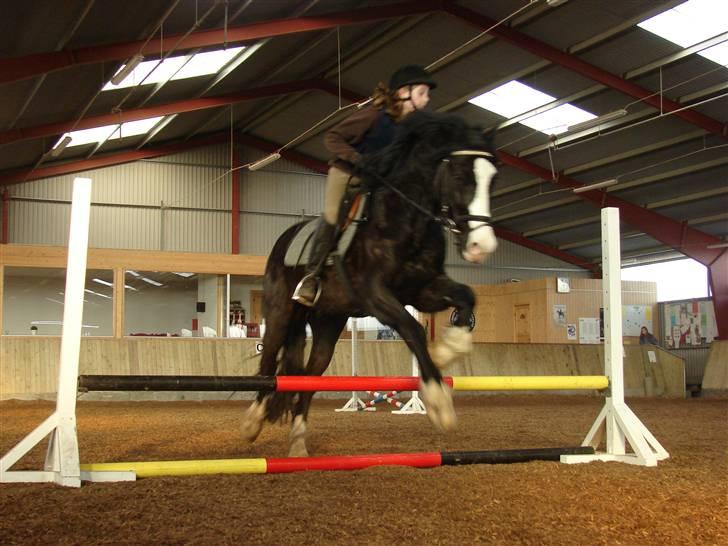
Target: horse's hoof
298,438
438,402
252,422
455,341
298,449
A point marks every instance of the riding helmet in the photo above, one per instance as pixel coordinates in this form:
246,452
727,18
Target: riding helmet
411,75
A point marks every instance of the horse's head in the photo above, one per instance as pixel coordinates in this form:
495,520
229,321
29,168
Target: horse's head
441,149
463,181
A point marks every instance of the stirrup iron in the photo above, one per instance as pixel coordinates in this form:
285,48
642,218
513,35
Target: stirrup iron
297,292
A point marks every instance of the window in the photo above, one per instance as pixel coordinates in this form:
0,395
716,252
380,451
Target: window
34,297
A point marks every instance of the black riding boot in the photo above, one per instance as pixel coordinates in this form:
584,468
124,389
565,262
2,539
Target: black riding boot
308,290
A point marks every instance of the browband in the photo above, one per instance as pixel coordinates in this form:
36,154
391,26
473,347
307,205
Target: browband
480,153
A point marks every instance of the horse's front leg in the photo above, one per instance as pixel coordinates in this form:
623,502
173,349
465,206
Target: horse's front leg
436,394
325,332
455,341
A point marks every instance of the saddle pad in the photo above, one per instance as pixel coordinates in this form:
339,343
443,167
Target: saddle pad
298,249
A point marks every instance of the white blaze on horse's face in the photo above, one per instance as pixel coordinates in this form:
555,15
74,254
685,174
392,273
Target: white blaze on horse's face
481,239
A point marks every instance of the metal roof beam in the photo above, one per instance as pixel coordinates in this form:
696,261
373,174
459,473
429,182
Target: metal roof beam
543,50
175,107
17,68
549,250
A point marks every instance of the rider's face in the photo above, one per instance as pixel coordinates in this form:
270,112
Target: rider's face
419,96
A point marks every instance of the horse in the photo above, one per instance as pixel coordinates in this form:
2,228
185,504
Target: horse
434,176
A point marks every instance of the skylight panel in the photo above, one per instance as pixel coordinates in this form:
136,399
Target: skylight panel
209,62
514,98
177,68
692,22
109,132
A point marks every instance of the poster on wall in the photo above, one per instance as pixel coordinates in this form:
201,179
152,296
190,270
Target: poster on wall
634,317
689,323
571,332
588,330
558,315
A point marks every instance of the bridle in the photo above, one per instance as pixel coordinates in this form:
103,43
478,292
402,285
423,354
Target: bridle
445,218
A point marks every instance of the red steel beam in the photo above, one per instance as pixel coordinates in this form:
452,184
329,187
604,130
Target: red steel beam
235,202
17,68
549,250
26,175
5,213
584,68
174,107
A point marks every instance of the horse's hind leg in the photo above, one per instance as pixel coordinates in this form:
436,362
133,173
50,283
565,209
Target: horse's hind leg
325,334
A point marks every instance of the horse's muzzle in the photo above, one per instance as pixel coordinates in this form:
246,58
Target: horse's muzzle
481,242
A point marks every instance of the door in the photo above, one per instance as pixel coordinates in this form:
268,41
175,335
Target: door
256,306
522,323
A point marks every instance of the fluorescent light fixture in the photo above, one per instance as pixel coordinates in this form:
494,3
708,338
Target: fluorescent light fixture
174,68
130,288
692,22
185,275
133,273
514,98
554,3
264,162
588,124
105,283
60,146
125,70
97,294
718,245
109,132
596,186
152,282
45,322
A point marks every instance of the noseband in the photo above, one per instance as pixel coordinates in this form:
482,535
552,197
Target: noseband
446,217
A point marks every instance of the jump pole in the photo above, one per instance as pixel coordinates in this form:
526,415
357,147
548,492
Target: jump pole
304,383
150,469
616,419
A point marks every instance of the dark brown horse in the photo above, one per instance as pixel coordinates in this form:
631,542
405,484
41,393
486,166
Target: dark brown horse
436,175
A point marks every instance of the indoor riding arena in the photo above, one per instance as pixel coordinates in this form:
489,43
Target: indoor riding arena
364,271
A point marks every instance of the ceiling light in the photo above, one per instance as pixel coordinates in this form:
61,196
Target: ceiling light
125,70
152,282
60,146
598,120
596,186
105,283
554,3
265,161
718,245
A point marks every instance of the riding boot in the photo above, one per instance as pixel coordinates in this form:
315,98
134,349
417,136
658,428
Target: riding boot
308,290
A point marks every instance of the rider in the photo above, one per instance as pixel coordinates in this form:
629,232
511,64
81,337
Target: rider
363,132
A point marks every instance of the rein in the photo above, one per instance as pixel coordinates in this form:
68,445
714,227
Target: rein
444,219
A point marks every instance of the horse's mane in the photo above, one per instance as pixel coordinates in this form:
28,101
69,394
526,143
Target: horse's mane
421,140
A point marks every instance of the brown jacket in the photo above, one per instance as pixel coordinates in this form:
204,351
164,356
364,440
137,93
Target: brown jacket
341,139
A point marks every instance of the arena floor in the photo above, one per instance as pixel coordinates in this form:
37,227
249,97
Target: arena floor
684,500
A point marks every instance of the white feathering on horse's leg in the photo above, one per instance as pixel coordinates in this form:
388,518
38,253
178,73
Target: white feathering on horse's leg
455,341
438,402
252,422
298,438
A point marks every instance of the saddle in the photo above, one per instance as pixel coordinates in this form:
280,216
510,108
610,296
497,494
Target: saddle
353,213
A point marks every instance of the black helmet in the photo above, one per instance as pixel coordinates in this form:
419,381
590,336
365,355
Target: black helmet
412,74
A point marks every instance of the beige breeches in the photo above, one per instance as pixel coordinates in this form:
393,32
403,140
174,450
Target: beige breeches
336,183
